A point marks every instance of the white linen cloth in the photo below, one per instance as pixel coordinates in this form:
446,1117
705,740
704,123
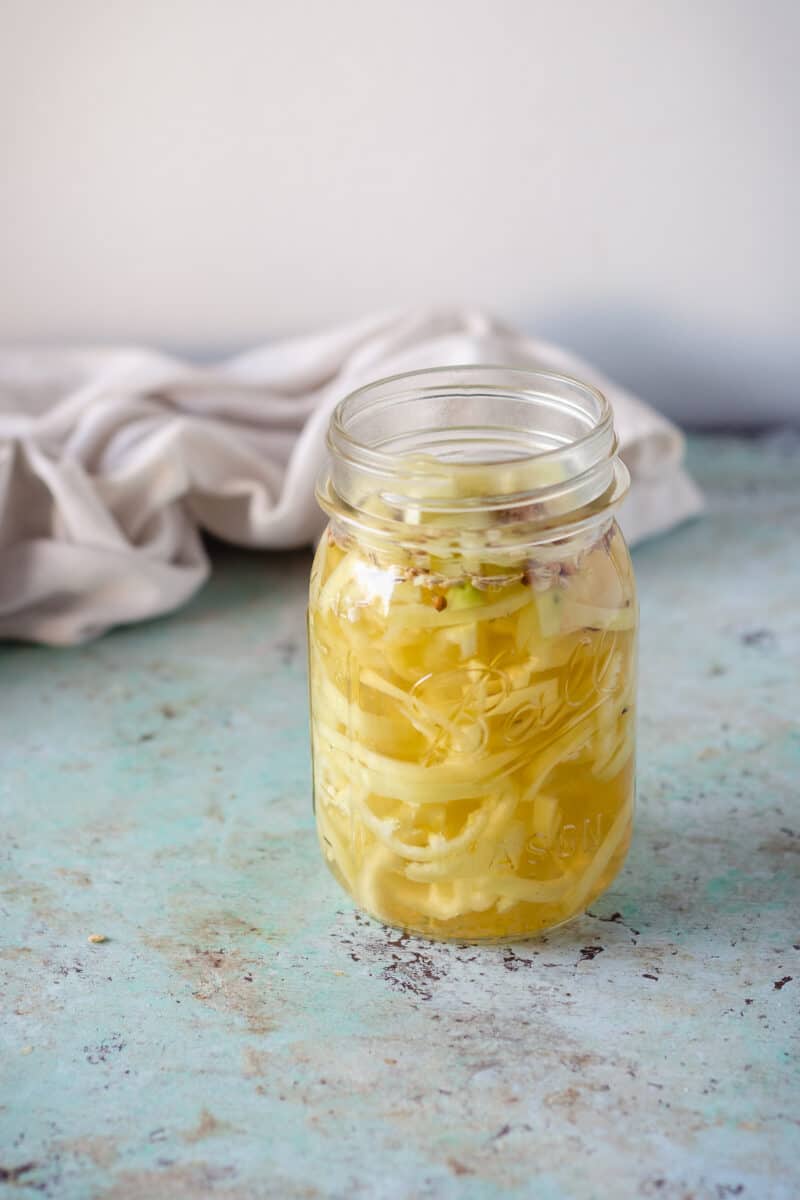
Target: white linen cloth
113,461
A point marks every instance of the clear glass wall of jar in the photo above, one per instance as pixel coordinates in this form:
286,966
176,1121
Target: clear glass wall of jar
472,636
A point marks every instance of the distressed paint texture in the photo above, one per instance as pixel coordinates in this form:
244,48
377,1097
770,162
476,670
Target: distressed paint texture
243,1033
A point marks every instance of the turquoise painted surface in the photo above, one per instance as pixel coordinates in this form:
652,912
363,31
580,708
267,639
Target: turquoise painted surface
244,1034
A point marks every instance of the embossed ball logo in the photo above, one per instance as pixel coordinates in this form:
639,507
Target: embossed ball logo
460,703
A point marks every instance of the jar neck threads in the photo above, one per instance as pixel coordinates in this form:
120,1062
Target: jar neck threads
499,454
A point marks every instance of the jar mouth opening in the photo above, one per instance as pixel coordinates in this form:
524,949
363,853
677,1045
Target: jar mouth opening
463,416
472,447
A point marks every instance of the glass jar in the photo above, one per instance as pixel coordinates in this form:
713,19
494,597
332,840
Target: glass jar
472,634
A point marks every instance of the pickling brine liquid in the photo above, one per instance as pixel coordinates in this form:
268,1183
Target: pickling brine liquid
473,731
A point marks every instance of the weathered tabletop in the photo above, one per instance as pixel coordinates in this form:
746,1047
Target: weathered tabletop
243,1033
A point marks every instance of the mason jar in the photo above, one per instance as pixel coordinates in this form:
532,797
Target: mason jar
472,634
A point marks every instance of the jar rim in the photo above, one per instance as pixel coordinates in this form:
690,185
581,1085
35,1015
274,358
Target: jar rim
464,378
487,446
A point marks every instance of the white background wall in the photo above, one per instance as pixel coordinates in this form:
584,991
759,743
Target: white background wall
204,174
